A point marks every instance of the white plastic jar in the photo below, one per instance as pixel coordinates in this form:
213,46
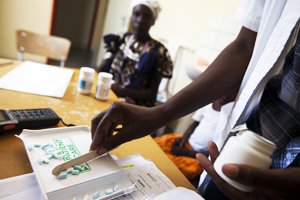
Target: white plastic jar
246,148
103,86
85,80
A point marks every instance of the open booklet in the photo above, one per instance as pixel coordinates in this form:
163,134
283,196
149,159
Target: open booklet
152,184
179,193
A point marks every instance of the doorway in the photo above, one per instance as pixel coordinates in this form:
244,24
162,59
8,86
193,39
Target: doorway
81,23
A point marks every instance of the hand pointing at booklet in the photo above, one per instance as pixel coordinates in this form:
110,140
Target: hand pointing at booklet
131,117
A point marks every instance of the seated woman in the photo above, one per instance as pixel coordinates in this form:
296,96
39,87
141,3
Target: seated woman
137,61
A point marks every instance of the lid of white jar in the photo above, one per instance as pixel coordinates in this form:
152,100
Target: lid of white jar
87,72
105,77
256,141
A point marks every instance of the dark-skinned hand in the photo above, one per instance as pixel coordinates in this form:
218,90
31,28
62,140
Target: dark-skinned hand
135,124
267,183
182,151
177,141
180,141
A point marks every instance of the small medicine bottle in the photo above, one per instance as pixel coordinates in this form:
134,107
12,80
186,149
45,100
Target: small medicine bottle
103,86
85,80
246,148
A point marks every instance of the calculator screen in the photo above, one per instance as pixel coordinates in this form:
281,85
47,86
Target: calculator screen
3,116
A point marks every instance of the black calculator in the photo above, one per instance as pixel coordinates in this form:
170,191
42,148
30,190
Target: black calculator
27,119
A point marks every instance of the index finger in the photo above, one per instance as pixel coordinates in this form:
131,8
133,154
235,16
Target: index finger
104,128
95,121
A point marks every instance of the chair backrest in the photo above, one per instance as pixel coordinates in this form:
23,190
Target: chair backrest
53,47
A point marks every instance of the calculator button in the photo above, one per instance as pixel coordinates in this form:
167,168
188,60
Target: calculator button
12,113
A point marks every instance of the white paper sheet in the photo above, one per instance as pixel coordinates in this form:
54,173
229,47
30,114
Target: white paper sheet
36,78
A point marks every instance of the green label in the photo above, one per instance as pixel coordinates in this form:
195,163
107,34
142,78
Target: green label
127,166
67,147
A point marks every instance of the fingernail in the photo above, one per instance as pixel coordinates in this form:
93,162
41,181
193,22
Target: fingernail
102,151
230,170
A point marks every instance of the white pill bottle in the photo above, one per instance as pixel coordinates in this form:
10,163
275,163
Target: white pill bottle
103,86
246,148
85,80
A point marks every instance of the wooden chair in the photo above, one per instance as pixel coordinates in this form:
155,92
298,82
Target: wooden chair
53,47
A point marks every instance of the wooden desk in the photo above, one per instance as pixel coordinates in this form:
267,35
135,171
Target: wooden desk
77,109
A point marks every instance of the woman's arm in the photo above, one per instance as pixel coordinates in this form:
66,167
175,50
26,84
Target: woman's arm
102,66
111,47
187,134
146,94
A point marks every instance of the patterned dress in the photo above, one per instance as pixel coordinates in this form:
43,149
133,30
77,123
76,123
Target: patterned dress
135,65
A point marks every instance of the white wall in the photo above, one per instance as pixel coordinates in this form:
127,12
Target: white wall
31,15
186,22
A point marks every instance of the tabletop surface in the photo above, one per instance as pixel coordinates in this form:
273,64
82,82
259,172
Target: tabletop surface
73,108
